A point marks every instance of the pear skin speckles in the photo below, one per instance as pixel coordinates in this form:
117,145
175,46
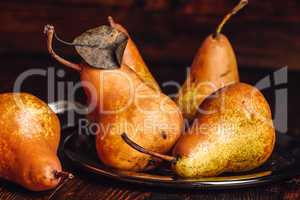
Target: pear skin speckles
238,134
29,138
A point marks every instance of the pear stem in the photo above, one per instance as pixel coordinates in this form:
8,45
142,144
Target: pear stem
117,26
237,8
63,175
146,151
111,21
49,30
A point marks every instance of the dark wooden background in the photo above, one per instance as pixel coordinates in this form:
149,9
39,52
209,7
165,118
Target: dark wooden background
265,36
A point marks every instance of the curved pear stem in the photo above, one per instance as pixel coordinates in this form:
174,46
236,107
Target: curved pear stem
63,175
146,151
49,30
237,8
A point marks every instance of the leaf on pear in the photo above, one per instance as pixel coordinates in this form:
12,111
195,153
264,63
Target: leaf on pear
101,47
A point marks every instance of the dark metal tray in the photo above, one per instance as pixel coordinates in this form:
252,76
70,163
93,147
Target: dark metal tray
284,164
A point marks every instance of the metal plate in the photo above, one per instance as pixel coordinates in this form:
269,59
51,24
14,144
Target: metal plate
284,164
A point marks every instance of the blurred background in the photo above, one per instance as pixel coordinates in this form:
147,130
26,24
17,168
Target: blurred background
265,36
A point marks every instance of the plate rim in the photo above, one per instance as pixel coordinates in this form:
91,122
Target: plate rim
179,183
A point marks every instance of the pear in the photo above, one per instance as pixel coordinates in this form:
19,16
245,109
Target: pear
234,134
131,57
214,67
29,138
152,118
124,102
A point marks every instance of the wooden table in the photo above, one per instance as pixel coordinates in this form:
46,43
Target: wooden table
85,187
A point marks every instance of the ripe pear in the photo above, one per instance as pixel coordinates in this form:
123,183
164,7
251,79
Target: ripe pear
214,67
234,134
131,57
124,102
29,138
